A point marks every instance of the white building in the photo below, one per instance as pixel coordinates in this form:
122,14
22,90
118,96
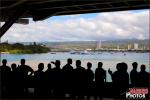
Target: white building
118,48
136,46
129,46
99,45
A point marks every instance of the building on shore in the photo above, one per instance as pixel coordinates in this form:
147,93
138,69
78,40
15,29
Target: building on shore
136,46
129,46
118,47
99,45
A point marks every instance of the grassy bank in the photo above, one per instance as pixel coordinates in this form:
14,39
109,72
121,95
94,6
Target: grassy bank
18,48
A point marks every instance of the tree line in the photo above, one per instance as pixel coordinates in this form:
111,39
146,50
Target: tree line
18,48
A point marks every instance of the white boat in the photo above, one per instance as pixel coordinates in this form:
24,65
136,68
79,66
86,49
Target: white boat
73,52
85,52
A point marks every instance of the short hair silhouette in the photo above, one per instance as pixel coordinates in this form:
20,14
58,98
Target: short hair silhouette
22,61
143,67
49,66
4,61
41,66
134,64
69,60
89,65
78,63
100,64
134,75
13,66
57,63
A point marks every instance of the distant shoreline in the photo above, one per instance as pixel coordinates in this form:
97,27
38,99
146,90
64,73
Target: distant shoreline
4,52
115,51
136,51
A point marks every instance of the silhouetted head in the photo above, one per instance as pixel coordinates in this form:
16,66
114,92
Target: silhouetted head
4,61
40,66
89,65
134,64
124,66
78,63
143,67
49,66
57,63
13,66
69,61
23,61
100,64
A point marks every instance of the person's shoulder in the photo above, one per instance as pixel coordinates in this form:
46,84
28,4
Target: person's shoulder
116,72
65,66
8,67
96,69
54,69
70,67
83,68
26,65
147,73
102,69
90,71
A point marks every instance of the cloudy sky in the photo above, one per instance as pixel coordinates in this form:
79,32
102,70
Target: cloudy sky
97,26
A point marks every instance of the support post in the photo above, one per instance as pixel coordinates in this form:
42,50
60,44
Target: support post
11,20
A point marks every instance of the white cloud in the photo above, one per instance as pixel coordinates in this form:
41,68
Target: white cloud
104,26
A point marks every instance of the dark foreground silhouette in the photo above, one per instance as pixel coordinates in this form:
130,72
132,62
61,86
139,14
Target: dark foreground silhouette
22,82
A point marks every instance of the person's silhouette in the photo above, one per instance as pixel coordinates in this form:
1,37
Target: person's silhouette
57,79
14,72
39,77
39,73
134,75
89,72
89,80
67,76
80,79
57,64
120,79
14,80
100,79
4,68
48,79
5,77
115,80
25,69
68,65
143,77
48,71
24,74
14,67
124,79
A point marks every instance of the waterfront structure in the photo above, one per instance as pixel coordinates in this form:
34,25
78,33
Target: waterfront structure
136,46
99,45
118,48
129,46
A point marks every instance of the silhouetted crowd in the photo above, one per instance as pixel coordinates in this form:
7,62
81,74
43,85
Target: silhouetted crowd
67,82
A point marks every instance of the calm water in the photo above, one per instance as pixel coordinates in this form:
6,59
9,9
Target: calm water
109,59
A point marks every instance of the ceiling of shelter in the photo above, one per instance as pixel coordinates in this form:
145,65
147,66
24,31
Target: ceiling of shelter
42,9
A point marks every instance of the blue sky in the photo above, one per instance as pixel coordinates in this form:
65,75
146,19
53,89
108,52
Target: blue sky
83,27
